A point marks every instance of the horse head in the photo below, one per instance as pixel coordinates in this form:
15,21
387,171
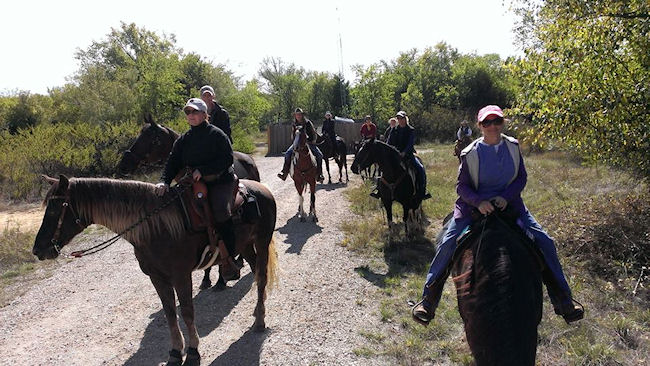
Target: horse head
61,221
152,145
495,267
365,156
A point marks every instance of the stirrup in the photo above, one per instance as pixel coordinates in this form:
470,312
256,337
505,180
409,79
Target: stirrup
575,314
283,175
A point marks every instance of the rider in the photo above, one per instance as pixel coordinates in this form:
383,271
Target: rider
391,126
403,138
206,150
218,115
464,131
368,129
300,120
492,175
328,128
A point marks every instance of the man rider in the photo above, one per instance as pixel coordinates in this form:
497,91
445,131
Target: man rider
218,114
328,128
300,120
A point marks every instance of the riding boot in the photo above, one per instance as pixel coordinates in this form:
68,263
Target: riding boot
228,269
425,310
563,303
285,169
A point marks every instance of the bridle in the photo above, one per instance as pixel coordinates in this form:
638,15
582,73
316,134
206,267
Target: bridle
64,208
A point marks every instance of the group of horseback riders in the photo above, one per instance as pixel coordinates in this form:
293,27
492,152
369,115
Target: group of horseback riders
491,176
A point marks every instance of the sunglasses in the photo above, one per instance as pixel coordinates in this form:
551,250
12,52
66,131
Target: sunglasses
191,111
496,122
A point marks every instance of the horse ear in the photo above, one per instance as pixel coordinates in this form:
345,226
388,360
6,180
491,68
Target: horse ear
63,183
49,179
148,119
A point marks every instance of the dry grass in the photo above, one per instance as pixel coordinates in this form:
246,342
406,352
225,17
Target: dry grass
600,219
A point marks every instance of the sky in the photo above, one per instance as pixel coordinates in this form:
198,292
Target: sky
39,38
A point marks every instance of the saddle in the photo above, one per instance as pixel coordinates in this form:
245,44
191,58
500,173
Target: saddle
198,216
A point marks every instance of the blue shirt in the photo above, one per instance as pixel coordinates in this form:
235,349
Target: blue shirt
496,168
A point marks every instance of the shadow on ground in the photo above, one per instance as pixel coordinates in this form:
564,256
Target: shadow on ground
298,233
210,308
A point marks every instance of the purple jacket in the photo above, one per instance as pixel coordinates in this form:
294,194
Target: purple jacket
468,197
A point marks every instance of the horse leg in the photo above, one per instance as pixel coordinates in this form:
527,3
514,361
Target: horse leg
206,283
183,289
327,166
166,293
312,205
261,278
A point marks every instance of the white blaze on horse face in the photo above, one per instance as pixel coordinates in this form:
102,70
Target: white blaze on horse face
296,139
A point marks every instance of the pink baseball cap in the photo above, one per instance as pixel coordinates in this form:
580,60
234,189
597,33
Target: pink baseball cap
489,110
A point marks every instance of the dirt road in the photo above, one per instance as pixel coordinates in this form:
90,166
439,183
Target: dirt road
102,310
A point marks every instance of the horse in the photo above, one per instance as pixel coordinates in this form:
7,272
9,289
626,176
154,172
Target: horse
371,171
459,145
165,249
303,172
497,272
153,145
155,142
338,152
396,184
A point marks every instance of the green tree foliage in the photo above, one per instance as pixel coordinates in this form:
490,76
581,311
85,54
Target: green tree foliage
24,111
585,81
374,93
284,83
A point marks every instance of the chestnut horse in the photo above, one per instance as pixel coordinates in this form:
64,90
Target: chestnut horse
166,251
154,143
498,276
303,172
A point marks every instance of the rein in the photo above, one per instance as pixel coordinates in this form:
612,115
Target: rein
106,243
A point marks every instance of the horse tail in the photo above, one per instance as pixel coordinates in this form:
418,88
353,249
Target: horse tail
271,267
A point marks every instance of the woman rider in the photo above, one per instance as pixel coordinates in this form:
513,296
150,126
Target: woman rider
491,176
206,150
300,120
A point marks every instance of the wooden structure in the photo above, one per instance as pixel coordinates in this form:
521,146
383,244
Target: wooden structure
279,135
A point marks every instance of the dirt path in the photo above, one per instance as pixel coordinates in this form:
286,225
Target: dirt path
102,310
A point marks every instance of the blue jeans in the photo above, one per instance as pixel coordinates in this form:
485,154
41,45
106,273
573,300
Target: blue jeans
314,150
445,251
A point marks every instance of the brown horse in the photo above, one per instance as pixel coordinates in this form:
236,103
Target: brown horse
153,144
166,251
459,145
303,172
338,153
498,276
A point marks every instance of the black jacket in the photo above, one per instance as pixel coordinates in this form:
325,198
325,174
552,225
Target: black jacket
328,127
310,130
220,118
203,147
403,138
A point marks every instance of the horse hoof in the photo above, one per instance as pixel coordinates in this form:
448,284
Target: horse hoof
205,285
315,219
259,327
219,286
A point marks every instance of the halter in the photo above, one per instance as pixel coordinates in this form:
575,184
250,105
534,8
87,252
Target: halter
64,206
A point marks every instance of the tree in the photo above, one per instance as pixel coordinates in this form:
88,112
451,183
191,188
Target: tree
373,94
585,81
285,83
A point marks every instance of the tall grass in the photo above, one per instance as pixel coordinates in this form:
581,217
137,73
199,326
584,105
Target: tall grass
600,219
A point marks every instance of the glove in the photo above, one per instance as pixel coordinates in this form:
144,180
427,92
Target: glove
161,189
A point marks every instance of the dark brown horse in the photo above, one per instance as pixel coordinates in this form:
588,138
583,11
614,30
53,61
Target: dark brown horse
153,144
459,145
396,183
338,152
165,250
498,278
303,172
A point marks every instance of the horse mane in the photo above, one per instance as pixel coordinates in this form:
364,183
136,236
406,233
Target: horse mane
117,204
